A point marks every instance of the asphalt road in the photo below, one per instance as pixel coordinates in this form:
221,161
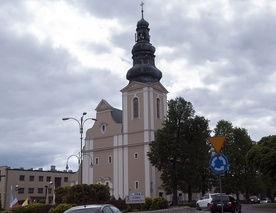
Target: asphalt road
248,208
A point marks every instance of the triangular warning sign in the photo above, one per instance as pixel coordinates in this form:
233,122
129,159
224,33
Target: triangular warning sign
217,142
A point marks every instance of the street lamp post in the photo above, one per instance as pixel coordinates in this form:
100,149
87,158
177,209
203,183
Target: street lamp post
81,124
47,192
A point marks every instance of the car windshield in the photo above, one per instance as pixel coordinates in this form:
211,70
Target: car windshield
219,198
115,209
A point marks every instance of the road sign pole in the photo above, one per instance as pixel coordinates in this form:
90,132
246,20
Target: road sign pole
220,189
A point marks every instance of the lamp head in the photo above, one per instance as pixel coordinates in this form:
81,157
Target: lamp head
84,113
65,119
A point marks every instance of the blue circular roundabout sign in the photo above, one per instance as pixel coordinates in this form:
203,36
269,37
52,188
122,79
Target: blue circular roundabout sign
218,163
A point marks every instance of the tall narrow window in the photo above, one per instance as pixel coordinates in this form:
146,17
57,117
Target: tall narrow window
109,159
158,108
135,108
136,185
97,160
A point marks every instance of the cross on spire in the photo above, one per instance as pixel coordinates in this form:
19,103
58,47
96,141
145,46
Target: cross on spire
142,7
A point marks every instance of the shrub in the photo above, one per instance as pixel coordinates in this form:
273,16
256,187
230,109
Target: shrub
159,203
33,208
19,209
147,204
82,194
61,208
120,204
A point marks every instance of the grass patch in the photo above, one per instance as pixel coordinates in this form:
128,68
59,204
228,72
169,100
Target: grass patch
266,206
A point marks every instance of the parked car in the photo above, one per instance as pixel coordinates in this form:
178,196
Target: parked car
265,200
227,202
204,201
103,208
254,199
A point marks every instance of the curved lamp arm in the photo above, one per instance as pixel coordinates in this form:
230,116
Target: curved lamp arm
67,167
91,161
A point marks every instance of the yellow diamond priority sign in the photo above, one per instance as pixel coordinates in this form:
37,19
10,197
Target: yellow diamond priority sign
217,142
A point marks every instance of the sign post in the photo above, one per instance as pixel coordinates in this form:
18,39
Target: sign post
218,162
135,198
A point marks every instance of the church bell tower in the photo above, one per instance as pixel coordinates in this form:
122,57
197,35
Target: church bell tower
144,105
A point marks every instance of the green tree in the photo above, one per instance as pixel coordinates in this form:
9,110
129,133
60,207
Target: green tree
263,157
240,176
180,148
196,156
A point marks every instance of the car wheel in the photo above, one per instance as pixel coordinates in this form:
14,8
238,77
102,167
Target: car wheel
197,207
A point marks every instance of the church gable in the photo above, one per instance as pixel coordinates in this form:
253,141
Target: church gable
103,106
133,86
158,86
138,86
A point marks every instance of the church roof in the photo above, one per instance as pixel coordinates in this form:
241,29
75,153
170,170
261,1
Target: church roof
117,115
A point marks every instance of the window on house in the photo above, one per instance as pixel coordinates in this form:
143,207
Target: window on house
136,185
65,179
22,177
40,190
158,108
135,108
48,179
21,190
40,178
97,161
31,190
50,190
109,159
31,178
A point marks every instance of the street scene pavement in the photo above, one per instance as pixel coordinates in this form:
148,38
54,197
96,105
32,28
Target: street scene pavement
248,208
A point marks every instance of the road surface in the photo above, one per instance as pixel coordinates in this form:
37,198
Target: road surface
248,208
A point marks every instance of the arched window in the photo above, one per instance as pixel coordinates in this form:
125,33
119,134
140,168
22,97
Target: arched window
158,108
135,108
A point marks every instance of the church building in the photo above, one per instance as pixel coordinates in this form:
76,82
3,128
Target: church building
119,140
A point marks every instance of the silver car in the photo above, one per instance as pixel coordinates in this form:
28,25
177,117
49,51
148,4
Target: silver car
103,208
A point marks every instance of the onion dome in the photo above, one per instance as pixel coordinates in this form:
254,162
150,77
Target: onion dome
143,69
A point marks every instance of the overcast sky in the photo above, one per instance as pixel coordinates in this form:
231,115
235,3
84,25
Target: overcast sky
60,58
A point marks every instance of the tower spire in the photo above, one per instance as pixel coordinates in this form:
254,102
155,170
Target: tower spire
144,69
142,9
